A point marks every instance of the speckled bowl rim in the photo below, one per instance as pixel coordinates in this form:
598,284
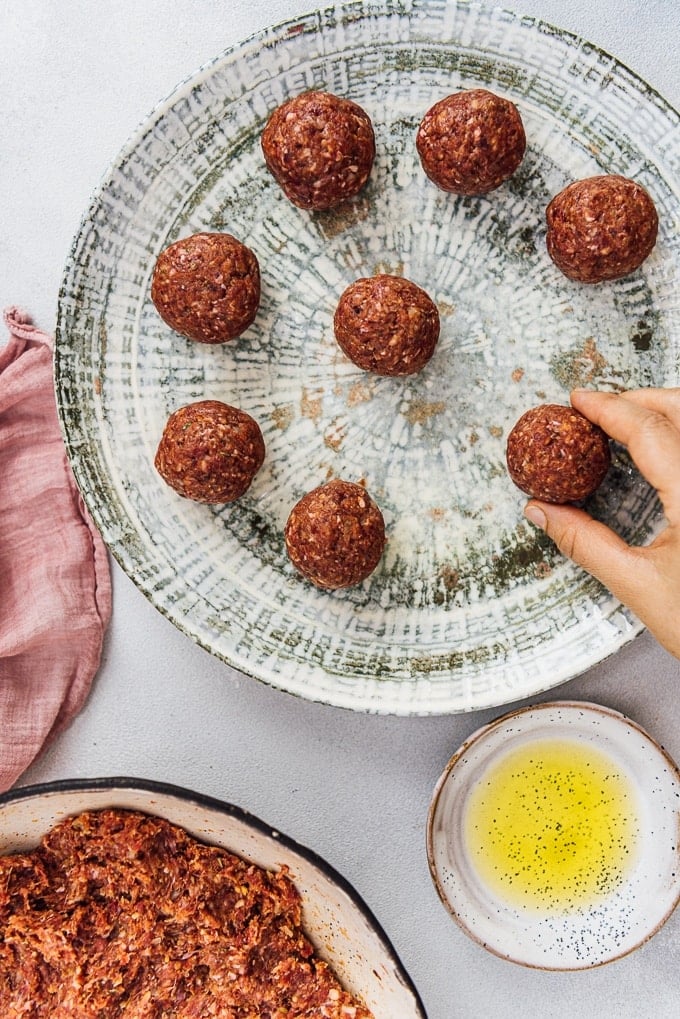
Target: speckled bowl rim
480,735
113,784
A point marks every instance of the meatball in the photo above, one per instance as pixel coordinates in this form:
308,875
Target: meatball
207,287
320,148
335,535
556,454
210,452
471,142
387,325
601,228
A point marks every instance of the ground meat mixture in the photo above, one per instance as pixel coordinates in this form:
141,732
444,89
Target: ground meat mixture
207,287
210,452
601,228
556,454
387,325
119,914
335,535
320,148
471,142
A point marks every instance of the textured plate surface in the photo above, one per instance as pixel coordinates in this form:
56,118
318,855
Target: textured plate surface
594,933
470,607
337,921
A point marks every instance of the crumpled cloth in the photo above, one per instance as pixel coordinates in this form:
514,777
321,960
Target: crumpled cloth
55,581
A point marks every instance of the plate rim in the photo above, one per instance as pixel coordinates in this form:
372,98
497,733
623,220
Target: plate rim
272,34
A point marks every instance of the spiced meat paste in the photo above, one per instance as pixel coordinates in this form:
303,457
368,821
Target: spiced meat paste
118,913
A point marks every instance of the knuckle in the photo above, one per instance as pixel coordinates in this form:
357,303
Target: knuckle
569,541
654,427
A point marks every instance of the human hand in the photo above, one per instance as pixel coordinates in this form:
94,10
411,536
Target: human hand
646,579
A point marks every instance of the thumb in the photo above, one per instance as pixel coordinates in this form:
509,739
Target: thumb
625,571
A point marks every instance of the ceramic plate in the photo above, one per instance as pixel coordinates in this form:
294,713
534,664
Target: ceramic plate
469,607
582,919
339,924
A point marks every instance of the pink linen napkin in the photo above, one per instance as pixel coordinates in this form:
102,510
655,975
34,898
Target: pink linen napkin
55,583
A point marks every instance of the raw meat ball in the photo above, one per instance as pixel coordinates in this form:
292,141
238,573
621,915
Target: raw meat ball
601,228
471,142
556,454
387,325
320,148
335,535
210,452
207,287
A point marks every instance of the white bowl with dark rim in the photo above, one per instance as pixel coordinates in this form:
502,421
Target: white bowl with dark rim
342,928
620,914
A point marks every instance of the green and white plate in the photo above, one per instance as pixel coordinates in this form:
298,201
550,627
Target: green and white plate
470,607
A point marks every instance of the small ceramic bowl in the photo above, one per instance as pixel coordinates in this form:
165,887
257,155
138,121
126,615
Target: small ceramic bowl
553,836
340,925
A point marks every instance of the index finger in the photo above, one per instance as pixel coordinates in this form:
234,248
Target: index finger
651,437
663,401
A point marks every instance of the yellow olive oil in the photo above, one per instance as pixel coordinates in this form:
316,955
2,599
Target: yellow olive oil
552,826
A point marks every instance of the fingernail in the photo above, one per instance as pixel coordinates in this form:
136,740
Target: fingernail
536,515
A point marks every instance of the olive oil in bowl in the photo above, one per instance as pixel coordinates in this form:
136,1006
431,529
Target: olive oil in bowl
553,835
552,826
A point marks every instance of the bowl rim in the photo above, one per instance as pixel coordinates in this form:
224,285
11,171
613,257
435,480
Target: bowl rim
588,707
124,782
